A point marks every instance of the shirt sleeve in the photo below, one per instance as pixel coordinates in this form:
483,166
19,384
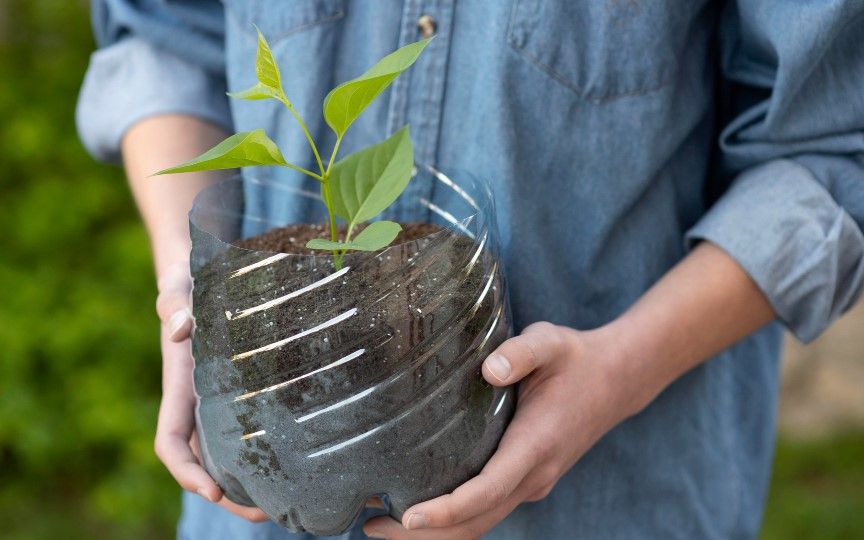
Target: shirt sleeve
793,213
154,57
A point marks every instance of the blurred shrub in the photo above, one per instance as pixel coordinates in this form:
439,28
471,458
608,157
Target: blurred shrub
817,490
80,369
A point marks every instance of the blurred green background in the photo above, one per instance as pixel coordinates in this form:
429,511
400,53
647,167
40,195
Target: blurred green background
79,375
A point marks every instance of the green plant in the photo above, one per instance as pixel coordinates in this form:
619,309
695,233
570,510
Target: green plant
356,188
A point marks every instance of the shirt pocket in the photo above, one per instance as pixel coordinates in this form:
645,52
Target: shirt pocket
279,19
603,49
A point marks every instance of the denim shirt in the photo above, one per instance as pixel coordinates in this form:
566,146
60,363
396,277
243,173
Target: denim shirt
616,134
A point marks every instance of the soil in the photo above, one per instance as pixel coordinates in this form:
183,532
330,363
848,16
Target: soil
317,393
292,238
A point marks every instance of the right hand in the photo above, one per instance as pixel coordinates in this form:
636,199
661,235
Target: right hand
175,431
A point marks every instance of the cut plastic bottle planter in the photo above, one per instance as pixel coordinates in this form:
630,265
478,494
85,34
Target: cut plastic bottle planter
319,388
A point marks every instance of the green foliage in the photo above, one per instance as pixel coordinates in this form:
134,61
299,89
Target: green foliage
269,85
359,187
266,68
374,237
79,363
248,148
366,182
344,103
817,490
255,93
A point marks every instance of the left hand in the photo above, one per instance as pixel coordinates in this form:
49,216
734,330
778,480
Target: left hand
569,397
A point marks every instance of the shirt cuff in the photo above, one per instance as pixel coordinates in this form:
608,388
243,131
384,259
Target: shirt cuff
131,80
803,250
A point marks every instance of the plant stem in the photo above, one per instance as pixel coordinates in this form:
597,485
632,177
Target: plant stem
328,201
347,238
328,196
324,177
302,124
333,156
305,171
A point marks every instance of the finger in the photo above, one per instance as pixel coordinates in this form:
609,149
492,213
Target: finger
173,450
174,301
176,441
505,471
382,527
389,528
176,422
249,513
518,356
386,527
173,309
375,502
180,325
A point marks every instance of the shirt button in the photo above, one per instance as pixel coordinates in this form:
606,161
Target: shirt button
427,26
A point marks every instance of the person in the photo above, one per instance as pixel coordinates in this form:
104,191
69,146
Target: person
676,181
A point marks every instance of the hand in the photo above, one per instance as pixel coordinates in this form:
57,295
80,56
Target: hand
565,405
575,386
175,442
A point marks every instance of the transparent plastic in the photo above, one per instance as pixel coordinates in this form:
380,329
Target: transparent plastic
319,388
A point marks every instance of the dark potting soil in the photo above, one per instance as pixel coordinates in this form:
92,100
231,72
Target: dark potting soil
320,388
292,238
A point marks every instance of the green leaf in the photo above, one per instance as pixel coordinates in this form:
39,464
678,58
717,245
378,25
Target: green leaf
374,237
345,102
269,83
259,91
368,181
320,243
244,149
266,68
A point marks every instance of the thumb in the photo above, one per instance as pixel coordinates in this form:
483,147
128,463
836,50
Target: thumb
173,304
519,356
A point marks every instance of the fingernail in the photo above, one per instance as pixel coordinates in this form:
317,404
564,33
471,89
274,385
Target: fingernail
176,322
416,521
375,534
203,493
498,366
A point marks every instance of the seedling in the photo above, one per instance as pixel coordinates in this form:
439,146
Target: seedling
357,188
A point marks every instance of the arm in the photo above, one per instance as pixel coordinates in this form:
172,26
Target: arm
784,240
164,203
158,84
707,295
793,155
576,386
154,58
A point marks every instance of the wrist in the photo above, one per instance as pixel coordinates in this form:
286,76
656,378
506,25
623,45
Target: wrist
624,372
